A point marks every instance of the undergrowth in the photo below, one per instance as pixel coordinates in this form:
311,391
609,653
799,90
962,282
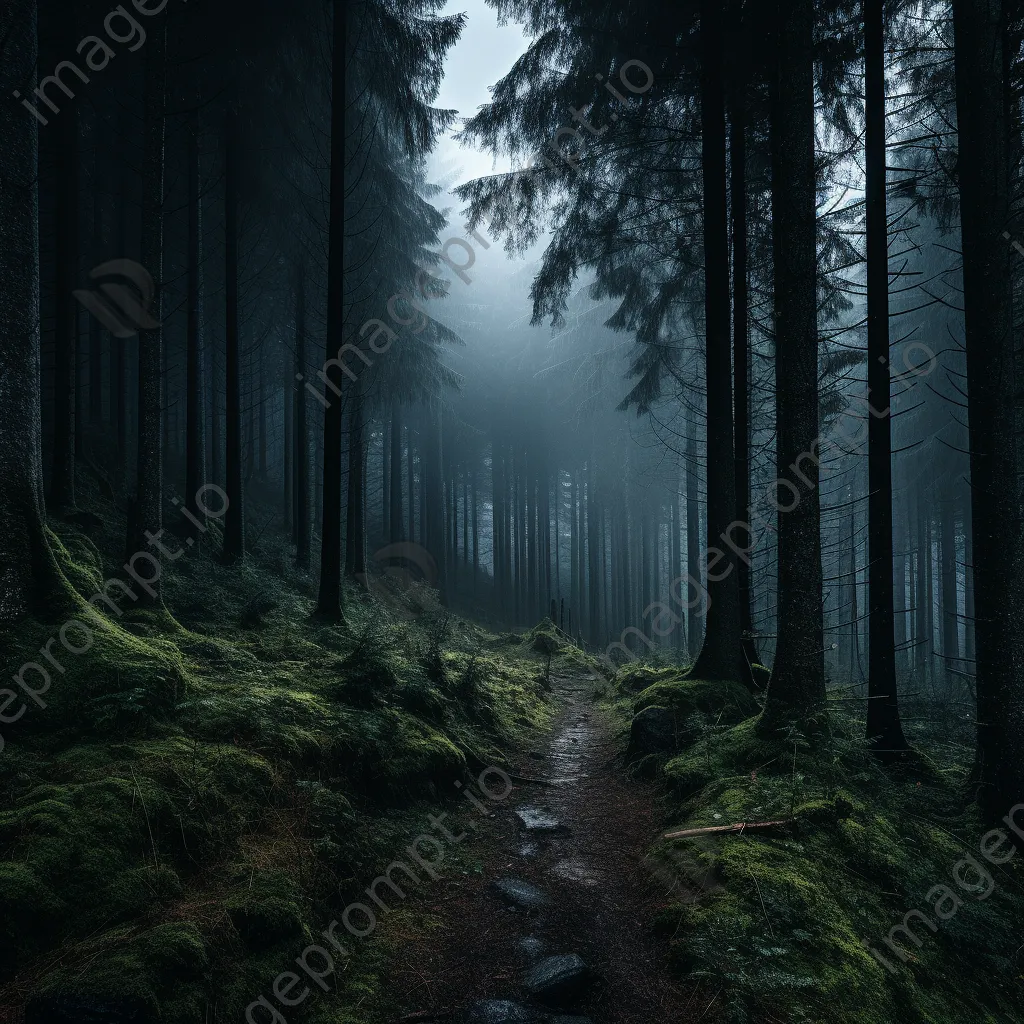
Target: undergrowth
212,780
779,920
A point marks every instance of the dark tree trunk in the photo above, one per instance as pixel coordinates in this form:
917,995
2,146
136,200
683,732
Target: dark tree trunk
980,62
397,516
234,522
330,601
95,332
594,538
28,565
695,613
65,368
410,467
798,677
195,442
476,532
950,618
149,495
355,525
884,728
262,418
921,597
741,327
721,655
302,474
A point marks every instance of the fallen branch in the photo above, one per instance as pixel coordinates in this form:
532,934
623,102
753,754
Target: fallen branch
743,826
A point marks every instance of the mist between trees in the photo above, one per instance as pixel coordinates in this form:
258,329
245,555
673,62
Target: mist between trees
664,621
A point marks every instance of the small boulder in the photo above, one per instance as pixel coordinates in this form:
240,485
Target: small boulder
654,731
558,980
517,893
499,1011
532,947
537,819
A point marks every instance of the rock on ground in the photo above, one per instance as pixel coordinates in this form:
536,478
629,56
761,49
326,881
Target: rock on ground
557,979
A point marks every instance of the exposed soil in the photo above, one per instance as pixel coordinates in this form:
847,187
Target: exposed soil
584,849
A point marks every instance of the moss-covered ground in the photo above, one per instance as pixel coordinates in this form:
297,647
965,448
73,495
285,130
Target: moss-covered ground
212,781
780,920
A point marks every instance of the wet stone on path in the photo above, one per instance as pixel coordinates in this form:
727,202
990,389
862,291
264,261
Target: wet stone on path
558,980
517,893
533,947
538,819
502,1011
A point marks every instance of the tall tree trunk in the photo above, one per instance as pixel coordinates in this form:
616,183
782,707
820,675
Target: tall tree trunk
234,521
721,655
302,473
26,562
476,532
410,467
741,320
355,525
983,118
695,613
798,676
65,367
119,355
921,596
395,496
262,377
195,443
594,547
98,246
149,495
330,601
385,504
288,457
950,618
884,728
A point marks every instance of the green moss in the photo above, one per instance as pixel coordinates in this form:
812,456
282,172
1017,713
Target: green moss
782,934
158,970
197,796
732,702
638,676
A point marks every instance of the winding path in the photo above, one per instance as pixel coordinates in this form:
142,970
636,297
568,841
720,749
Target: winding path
561,880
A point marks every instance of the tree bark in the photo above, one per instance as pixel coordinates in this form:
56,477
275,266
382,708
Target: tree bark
797,685
302,474
149,493
983,118
330,600
195,441
65,335
26,562
234,521
884,729
721,654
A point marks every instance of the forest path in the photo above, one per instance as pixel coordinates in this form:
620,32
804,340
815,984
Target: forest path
560,875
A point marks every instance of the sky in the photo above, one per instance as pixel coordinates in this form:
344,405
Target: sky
480,58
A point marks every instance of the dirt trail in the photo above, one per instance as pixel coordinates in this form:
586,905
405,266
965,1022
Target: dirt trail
581,843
